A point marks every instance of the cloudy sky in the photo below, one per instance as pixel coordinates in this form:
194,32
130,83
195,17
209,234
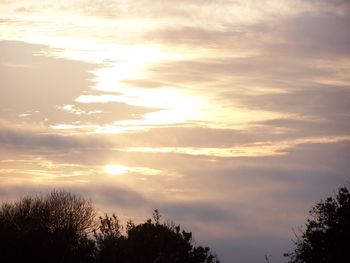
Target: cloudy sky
230,117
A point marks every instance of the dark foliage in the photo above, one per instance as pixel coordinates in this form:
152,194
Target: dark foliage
327,235
58,228
47,229
150,242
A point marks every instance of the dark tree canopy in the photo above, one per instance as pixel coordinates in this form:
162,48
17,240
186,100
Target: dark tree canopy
327,235
53,228
62,228
150,242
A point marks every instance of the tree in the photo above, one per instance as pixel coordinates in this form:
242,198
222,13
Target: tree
62,228
53,228
327,235
149,242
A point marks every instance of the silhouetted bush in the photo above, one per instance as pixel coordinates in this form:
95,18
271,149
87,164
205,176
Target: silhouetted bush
149,242
327,235
53,228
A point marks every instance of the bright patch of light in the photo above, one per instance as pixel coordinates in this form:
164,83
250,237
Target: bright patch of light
116,169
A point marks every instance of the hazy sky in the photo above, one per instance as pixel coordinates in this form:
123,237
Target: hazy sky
230,117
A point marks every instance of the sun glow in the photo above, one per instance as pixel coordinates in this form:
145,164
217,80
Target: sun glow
173,106
116,169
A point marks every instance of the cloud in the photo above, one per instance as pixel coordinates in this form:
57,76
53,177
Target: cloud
112,196
47,78
331,125
103,195
201,37
258,70
320,101
202,211
322,35
28,139
43,102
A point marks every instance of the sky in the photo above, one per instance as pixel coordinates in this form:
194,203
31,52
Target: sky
230,117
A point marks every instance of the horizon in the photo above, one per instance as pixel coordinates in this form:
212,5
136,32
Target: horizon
232,118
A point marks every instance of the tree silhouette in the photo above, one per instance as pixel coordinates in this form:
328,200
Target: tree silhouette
149,242
53,228
62,228
327,235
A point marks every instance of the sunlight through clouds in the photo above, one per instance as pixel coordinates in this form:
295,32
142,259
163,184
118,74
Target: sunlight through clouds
116,169
232,117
